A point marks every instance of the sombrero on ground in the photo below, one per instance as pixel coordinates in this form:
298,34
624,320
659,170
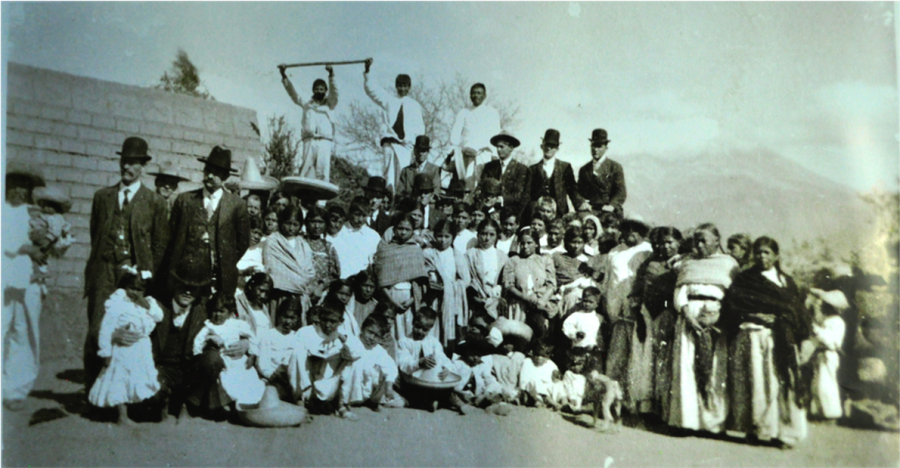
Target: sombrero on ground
271,412
308,188
428,378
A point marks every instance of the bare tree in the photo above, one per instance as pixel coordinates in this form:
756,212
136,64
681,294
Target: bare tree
281,148
360,128
183,78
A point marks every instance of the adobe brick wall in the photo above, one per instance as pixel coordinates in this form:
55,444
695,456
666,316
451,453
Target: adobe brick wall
72,126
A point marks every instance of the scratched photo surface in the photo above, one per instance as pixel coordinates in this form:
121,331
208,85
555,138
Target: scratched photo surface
597,320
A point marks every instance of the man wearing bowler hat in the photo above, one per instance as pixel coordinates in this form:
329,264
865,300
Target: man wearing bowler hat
420,165
514,177
376,192
128,227
602,181
554,178
210,228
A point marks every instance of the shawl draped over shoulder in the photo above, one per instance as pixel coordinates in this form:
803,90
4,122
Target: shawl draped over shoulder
398,263
291,268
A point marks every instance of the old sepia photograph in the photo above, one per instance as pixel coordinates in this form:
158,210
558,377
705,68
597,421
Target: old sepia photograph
450,234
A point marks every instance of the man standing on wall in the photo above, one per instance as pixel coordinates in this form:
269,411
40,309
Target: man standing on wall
128,227
317,132
403,119
471,136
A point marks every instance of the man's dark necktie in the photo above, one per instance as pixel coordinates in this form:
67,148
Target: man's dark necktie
124,198
398,125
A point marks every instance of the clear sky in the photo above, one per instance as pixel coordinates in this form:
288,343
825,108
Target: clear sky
814,82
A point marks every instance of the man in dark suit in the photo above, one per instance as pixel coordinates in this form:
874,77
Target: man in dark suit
376,192
554,178
420,165
602,181
210,228
128,227
514,177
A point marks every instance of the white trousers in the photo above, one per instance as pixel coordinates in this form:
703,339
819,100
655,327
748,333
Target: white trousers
21,340
396,157
315,159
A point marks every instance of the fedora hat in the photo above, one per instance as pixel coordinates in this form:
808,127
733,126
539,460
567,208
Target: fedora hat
599,136
134,148
423,183
551,137
168,169
53,194
219,157
25,170
423,142
376,184
507,137
252,179
490,187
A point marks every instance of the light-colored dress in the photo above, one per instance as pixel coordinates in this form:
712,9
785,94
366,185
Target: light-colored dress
317,362
533,275
131,375
275,349
368,377
452,271
236,381
485,266
827,339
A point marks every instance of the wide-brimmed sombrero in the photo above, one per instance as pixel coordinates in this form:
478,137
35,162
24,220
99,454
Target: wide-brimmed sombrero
309,189
271,412
252,179
513,328
428,378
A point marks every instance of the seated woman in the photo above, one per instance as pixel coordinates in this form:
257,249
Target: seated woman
764,320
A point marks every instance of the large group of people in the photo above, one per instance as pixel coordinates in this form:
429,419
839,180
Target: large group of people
480,283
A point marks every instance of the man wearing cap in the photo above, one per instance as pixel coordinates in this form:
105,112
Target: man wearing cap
128,227
376,192
602,181
317,132
473,128
420,165
167,180
21,293
403,118
514,177
210,228
554,178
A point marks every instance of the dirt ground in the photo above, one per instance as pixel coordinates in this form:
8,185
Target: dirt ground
527,437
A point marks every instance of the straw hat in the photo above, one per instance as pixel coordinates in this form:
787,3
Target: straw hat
513,328
271,412
168,169
53,194
252,179
428,378
309,188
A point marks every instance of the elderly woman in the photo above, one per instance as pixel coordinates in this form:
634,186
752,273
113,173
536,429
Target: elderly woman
764,321
699,358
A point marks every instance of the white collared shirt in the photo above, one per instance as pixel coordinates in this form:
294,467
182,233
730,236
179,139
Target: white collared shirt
180,314
504,163
132,190
548,165
211,200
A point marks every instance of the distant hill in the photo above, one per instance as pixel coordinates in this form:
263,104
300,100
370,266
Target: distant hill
760,193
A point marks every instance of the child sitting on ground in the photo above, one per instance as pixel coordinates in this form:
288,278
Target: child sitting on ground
339,294
276,345
569,392
369,381
239,380
538,375
130,375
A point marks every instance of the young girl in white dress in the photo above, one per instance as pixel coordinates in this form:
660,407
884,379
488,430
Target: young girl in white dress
130,375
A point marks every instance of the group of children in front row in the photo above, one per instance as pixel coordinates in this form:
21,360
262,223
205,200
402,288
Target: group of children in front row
431,324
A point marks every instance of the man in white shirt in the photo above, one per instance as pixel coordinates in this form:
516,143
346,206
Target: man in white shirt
355,243
317,132
471,134
403,120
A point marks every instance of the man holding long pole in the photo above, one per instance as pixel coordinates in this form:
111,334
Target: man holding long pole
317,132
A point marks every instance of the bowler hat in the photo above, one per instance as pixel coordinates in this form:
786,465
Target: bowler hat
25,170
423,142
53,194
551,137
168,169
134,148
219,157
423,183
507,137
376,184
599,136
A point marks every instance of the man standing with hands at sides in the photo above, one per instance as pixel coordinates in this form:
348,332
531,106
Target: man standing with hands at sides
403,118
514,176
554,178
128,227
471,135
602,181
210,229
420,165
317,132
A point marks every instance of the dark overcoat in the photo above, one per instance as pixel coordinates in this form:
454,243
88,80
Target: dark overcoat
515,183
560,185
604,188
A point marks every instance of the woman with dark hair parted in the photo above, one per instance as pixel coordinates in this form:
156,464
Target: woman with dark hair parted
764,321
699,358
289,260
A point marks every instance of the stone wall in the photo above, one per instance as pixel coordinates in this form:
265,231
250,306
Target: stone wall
73,126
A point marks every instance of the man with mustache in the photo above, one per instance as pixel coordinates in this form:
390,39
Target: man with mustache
128,227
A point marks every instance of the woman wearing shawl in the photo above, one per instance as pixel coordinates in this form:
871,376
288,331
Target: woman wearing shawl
699,358
763,319
289,260
399,267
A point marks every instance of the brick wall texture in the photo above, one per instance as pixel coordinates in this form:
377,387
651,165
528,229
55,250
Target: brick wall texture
72,126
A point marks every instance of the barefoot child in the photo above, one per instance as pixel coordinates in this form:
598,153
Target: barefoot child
276,345
538,375
130,375
239,380
369,381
